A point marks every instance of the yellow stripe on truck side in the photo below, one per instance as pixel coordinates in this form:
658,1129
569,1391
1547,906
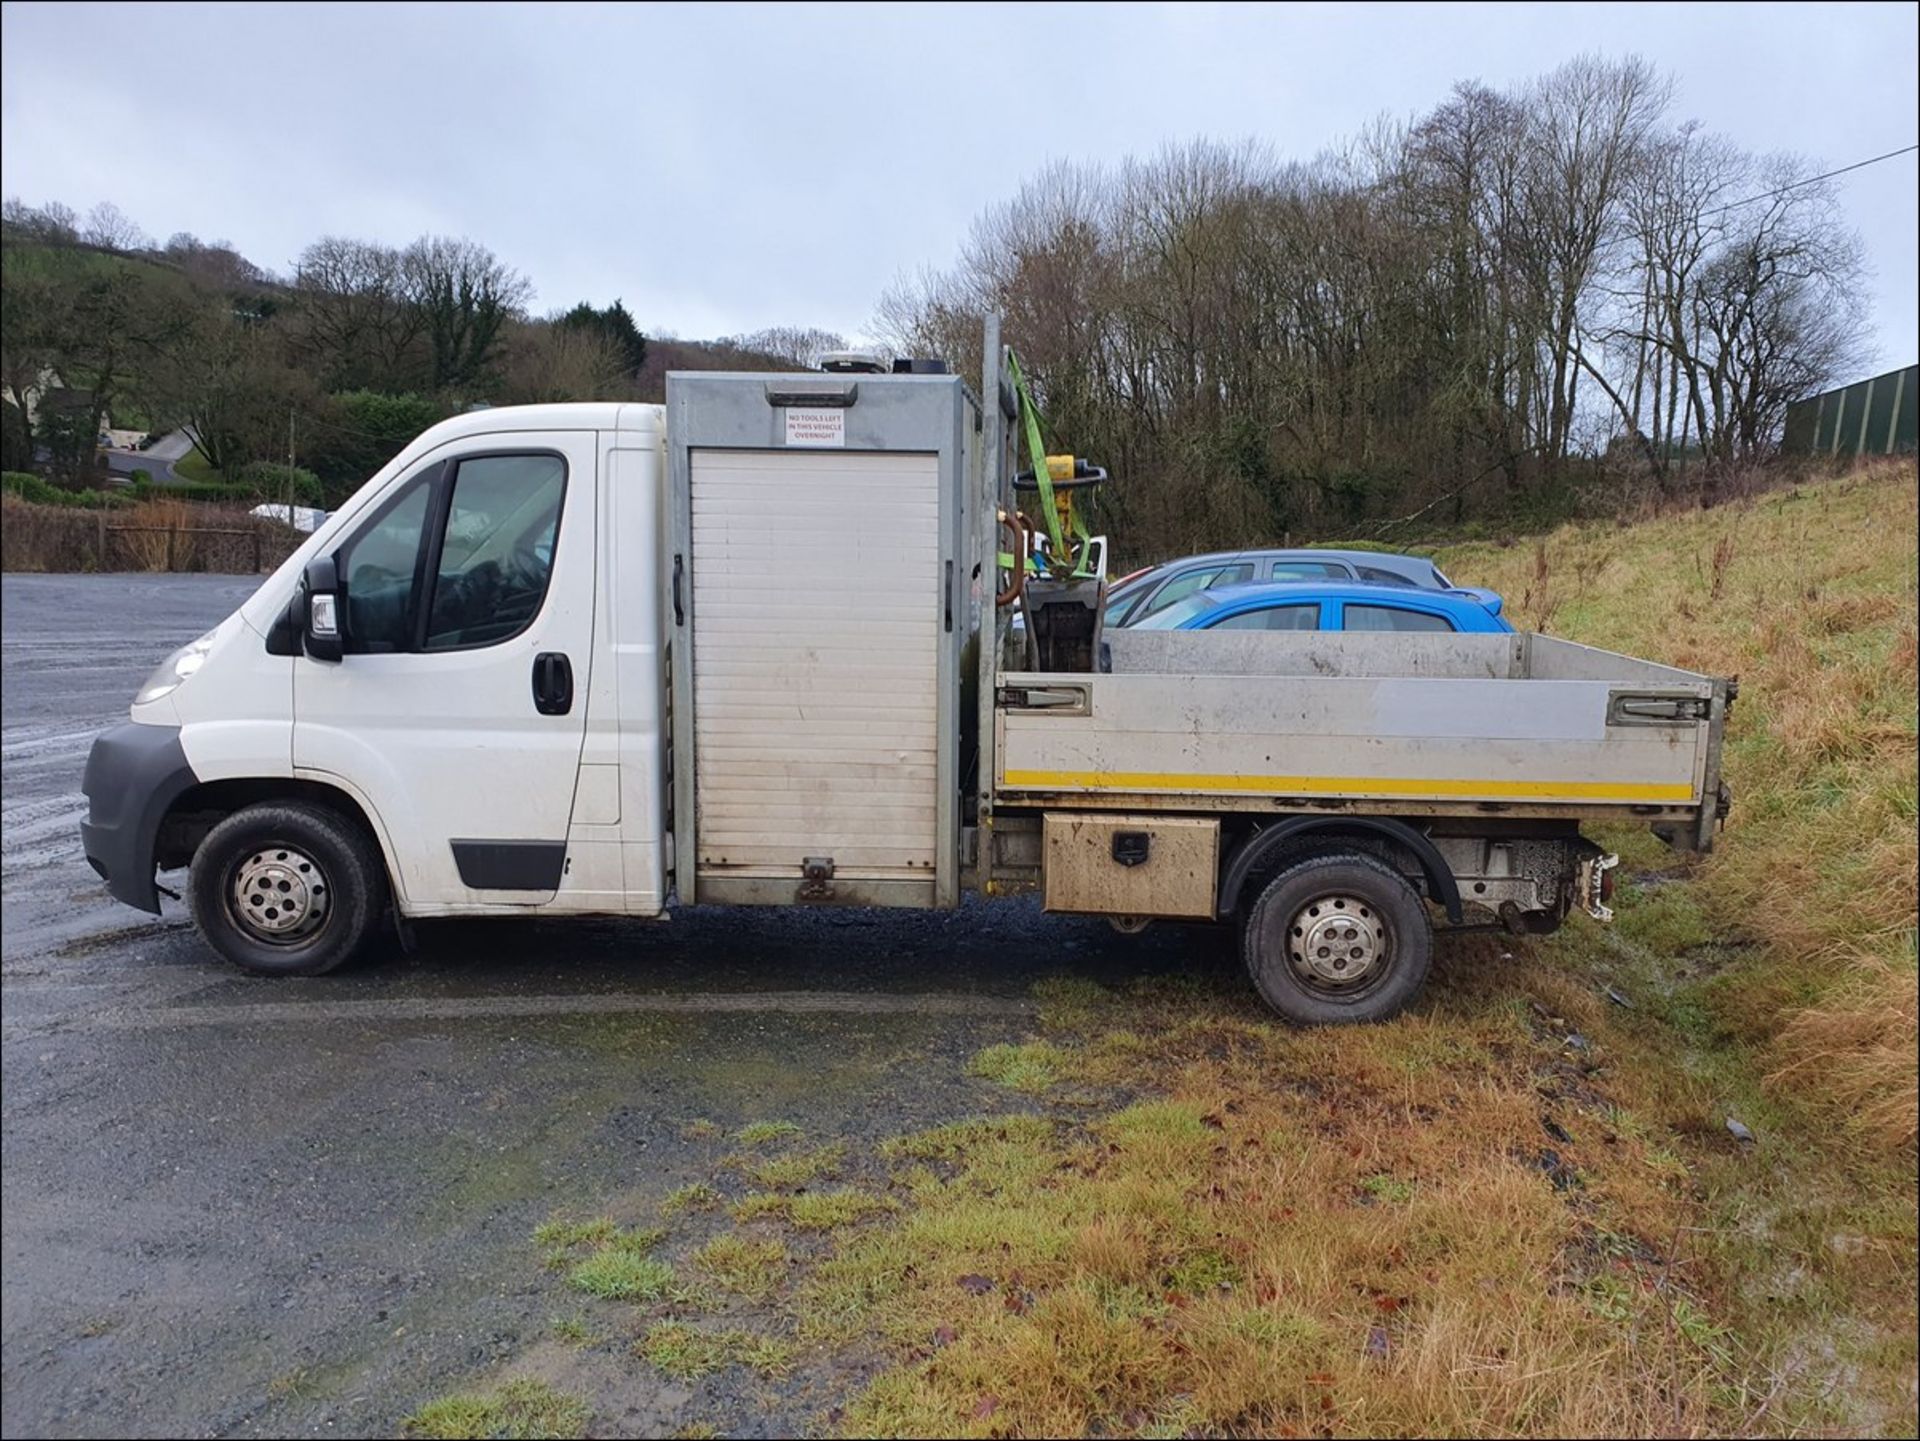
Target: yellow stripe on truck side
1401,788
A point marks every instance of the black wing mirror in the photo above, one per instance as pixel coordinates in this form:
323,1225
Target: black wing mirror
324,604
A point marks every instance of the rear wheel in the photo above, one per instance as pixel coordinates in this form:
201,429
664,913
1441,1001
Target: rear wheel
1338,939
287,890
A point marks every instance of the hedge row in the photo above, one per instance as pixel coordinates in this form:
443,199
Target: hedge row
33,488
255,483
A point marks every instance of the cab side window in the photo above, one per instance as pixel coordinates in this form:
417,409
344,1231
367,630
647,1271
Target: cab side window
498,551
459,557
379,568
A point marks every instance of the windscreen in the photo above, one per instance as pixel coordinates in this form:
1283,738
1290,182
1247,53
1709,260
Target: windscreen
1181,611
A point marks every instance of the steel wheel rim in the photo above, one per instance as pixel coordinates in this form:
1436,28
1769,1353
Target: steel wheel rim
1339,944
279,895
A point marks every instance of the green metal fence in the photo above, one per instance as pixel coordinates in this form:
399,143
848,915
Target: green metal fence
1869,417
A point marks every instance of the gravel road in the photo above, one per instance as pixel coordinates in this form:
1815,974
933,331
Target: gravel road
245,1207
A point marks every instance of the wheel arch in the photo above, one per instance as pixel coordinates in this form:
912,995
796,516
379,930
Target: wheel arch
201,807
1269,843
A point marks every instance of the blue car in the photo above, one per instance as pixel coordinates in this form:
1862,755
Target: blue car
1297,605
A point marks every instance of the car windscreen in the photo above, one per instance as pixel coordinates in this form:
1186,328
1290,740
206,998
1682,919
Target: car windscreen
1172,617
1128,593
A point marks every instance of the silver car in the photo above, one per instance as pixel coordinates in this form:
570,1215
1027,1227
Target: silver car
1140,595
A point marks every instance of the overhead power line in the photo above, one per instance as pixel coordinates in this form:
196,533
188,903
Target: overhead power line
1811,180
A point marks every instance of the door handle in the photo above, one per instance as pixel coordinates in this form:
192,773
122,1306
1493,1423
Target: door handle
552,683
679,607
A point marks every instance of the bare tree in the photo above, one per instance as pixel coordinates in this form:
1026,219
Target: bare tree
543,362
50,224
103,326
1498,288
229,384
803,345
358,321
465,295
1590,123
112,229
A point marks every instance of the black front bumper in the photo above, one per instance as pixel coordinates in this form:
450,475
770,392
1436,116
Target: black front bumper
134,773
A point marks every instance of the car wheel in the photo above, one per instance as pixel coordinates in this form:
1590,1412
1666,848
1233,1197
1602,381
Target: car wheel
287,889
1338,939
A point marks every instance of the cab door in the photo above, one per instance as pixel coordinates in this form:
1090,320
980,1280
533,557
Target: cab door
458,709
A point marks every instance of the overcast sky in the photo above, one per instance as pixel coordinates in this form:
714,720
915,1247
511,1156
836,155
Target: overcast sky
727,168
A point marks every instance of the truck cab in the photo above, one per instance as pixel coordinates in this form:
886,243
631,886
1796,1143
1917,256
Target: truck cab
486,712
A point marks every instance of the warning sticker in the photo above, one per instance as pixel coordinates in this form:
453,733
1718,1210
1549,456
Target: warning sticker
818,426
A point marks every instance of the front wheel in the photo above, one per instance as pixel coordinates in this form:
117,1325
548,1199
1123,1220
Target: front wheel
1338,939
287,889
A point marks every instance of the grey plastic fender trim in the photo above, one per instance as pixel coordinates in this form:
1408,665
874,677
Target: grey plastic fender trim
510,865
134,774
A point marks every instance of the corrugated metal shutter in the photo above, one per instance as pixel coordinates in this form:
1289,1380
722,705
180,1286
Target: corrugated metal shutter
816,634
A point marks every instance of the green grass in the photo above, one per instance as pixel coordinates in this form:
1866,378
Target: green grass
1070,1002
811,1210
756,1133
748,1267
559,1233
1809,595
196,467
1388,1188
1030,1066
949,1142
697,1196
523,1410
687,1352
617,1266
795,1168
622,1276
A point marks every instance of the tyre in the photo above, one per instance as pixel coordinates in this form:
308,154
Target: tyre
1338,939
287,889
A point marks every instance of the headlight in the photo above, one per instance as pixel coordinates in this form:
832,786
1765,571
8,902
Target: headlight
174,669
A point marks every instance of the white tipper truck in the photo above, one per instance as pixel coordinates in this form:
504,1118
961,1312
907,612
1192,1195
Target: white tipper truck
744,649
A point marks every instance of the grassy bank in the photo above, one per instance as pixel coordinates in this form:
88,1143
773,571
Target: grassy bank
1808,595
1518,1210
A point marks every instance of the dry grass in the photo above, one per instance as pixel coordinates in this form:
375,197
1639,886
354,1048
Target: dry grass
1363,1233
1809,596
1857,1047
56,538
